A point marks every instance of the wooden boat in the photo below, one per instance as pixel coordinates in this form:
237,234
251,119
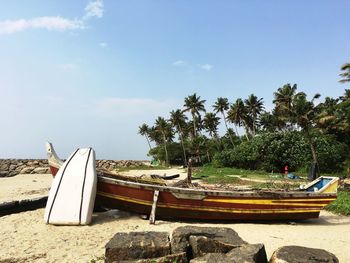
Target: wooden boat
134,195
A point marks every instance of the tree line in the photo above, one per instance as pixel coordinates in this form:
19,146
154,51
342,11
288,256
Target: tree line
197,134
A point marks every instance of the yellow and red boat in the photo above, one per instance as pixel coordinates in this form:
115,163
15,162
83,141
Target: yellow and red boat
118,192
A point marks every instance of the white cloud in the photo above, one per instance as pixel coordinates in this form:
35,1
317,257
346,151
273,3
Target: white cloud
206,67
45,22
103,44
180,63
93,9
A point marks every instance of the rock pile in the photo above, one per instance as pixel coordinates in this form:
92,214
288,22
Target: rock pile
200,245
12,167
112,164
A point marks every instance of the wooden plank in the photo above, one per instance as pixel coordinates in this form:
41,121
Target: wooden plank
152,217
12,207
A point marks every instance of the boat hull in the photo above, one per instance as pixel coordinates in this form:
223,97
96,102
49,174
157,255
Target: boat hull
173,202
242,207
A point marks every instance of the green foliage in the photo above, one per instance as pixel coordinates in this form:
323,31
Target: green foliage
272,151
331,153
341,205
174,151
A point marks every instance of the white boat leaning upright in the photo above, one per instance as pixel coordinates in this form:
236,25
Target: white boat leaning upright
73,191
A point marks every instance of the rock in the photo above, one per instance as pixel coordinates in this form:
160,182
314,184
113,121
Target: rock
297,254
26,170
178,258
137,245
202,245
4,173
41,170
211,258
181,235
4,167
248,253
19,168
12,173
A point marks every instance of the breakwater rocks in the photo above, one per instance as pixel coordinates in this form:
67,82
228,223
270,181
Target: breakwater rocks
12,167
202,245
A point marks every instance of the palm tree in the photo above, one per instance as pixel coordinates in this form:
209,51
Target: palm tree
326,114
283,102
178,120
144,131
346,74
211,123
194,105
254,107
238,115
155,136
163,128
221,105
267,121
304,115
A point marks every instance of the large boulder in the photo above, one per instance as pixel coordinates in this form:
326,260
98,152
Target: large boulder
248,253
178,258
137,245
202,245
220,239
297,254
211,258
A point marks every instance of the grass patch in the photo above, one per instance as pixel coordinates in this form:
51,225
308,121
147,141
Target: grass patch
341,205
211,171
141,167
221,180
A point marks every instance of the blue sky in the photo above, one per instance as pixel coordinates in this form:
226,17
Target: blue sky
88,73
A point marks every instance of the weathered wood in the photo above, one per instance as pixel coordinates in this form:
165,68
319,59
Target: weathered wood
152,217
12,207
189,171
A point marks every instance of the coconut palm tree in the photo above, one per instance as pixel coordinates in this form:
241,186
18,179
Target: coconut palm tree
254,107
194,105
178,120
304,115
144,131
155,135
267,121
346,74
163,128
238,115
221,105
283,98
211,123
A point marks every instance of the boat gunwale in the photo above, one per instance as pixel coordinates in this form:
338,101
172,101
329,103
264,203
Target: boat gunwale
205,192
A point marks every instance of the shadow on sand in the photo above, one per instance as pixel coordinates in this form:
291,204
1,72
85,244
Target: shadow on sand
325,219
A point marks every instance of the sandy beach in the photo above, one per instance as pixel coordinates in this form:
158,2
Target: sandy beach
24,237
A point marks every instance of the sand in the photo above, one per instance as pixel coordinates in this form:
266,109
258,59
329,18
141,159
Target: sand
24,237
